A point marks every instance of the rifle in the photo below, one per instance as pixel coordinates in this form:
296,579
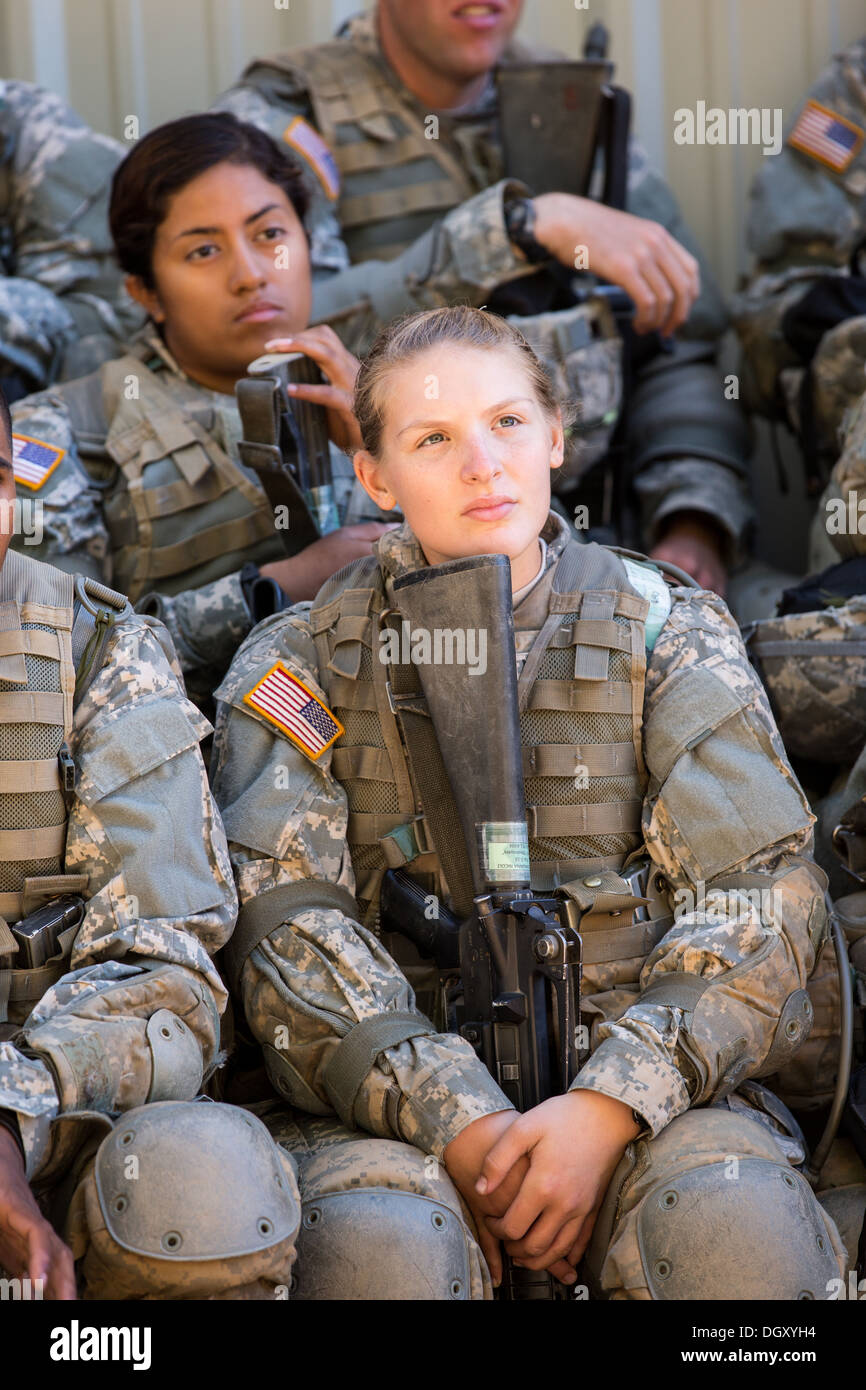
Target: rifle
519,950
285,442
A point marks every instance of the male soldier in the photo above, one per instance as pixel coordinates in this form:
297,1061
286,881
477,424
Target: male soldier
59,283
802,326
424,222
110,1012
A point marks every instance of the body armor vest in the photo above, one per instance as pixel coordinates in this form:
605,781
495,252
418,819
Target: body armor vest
46,627
583,660
179,511
396,180
37,680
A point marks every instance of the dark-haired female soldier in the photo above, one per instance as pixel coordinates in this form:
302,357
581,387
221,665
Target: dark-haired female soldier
136,465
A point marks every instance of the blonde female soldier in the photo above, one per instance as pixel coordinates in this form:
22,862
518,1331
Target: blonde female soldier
648,687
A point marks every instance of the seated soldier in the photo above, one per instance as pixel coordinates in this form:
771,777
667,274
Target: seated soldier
136,465
62,305
398,122
110,1011
646,687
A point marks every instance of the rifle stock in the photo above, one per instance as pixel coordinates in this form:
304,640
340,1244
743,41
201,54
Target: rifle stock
519,950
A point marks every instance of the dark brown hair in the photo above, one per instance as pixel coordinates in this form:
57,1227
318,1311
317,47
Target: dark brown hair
405,338
167,159
5,419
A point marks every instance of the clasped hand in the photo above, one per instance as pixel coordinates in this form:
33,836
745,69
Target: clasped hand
537,1181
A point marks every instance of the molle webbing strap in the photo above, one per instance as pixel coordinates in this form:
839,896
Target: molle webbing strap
622,943
599,759
601,818
355,1054
262,915
238,533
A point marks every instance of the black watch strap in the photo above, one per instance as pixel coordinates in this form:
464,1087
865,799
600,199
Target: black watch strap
262,596
520,226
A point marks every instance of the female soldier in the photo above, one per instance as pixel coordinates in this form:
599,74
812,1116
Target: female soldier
649,690
136,465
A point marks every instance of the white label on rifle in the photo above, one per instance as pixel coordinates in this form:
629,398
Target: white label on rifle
503,848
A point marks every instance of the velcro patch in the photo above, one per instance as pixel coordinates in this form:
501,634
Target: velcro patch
310,146
284,701
33,460
826,136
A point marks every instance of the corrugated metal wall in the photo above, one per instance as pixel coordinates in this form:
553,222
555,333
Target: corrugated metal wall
159,58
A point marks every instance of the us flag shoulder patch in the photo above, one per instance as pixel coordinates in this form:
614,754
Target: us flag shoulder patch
33,460
826,136
316,152
286,702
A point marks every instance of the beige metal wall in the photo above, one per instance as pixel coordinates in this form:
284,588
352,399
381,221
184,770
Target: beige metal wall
159,58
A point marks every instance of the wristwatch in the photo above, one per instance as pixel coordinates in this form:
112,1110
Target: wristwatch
520,226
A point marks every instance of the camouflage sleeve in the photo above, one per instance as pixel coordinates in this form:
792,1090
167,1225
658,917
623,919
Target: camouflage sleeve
460,259
207,626
320,972
137,1016
689,445
722,807
804,220
59,175
844,500
62,521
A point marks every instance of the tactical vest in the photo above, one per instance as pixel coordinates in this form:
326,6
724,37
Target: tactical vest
396,180
179,511
47,621
580,691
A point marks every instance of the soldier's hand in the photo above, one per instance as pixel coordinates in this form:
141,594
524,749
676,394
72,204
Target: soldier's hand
463,1159
29,1245
573,1143
694,543
340,367
301,576
640,256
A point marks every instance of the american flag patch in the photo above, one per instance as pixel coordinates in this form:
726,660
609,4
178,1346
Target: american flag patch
286,702
33,461
316,152
830,138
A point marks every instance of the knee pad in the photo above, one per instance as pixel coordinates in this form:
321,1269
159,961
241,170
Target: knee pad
187,1200
713,1210
382,1220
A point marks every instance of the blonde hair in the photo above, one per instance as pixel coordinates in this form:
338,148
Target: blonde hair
413,334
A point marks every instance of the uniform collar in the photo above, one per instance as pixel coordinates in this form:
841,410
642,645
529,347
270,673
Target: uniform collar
398,552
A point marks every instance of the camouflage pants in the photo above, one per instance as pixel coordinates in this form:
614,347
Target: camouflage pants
682,1218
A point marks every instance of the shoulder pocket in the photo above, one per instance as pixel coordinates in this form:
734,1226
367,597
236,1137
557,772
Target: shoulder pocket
718,776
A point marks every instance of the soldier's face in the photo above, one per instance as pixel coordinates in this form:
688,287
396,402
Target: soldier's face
231,269
7,494
466,454
461,38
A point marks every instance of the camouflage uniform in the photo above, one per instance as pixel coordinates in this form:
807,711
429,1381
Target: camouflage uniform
807,215
126,1014
225,519
716,996
448,243
62,302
